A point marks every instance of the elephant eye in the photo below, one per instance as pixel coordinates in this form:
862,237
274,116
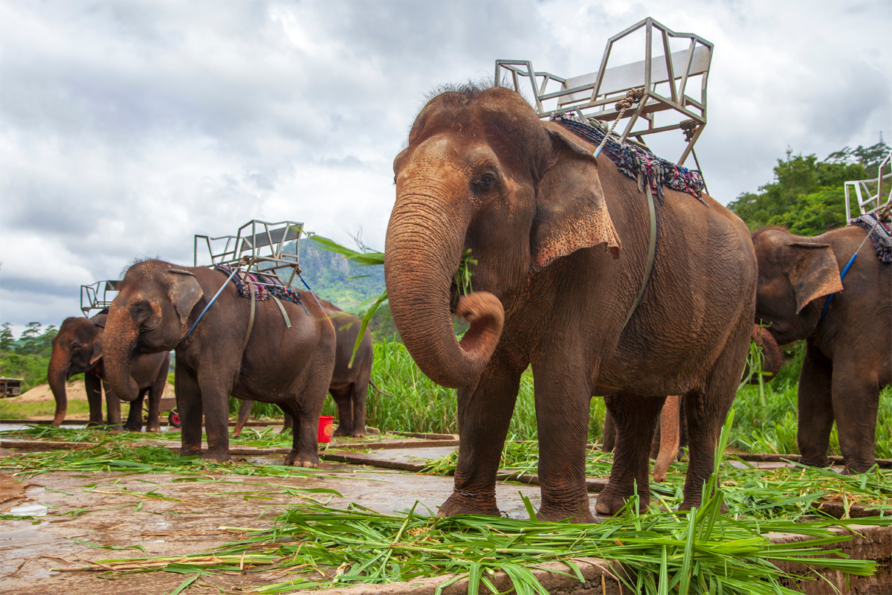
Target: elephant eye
485,182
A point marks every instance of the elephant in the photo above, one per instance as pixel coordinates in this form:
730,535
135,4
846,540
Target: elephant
848,359
77,348
349,384
157,305
671,433
561,240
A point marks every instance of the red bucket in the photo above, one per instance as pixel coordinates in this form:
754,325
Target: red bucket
326,428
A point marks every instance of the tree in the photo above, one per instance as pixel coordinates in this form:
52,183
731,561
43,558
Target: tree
7,340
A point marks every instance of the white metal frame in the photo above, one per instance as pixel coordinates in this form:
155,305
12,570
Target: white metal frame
590,95
258,246
861,189
95,296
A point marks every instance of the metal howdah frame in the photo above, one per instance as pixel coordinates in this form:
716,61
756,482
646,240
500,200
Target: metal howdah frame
863,195
590,96
258,247
95,296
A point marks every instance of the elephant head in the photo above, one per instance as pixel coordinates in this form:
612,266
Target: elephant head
482,172
149,315
793,272
77,348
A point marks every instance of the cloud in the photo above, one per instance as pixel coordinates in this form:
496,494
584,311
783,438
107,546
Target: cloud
128,127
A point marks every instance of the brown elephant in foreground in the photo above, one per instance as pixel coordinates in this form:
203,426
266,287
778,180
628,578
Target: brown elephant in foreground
561,242
349,385
77,349
848,357
159,302
671,434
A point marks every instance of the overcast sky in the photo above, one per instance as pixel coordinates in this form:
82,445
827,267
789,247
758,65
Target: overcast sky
128,126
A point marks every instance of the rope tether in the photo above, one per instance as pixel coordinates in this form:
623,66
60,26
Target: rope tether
632,97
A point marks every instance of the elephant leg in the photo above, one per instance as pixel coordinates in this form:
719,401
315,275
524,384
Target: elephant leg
288,424
635,418
134,416
190,409
305,407
215,402
93,384
156,391
484,414
608,435
705,411
856,399
112,407
816,411
244,411
342,398
359,392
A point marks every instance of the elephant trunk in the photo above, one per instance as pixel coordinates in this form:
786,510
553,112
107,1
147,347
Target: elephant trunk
118,347
57,374
773,356
425,241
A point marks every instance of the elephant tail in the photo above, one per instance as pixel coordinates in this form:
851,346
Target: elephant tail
380,392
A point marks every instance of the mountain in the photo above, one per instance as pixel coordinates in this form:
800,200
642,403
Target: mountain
333,278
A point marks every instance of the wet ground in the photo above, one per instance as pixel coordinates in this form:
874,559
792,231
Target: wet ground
170,515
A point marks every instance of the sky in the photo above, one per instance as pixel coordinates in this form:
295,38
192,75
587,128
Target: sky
126,127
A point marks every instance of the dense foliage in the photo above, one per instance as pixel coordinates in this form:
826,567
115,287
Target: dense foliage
807,195
28,356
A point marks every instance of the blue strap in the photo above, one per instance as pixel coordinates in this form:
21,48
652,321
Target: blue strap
830,299
210,303
311,293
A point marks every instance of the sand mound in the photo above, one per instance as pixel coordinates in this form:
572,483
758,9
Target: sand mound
76,391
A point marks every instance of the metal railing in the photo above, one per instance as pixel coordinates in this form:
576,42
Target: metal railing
864,197
95,296
590,95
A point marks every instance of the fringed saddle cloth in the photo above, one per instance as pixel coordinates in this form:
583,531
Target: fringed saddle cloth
264,286
638,163
880,235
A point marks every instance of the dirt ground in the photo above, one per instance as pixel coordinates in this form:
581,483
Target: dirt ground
187,520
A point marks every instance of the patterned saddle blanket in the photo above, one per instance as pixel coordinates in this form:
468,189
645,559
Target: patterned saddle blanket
265,286
638,163
880,235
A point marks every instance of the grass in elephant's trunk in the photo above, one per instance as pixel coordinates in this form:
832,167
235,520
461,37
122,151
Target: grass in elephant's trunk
698,551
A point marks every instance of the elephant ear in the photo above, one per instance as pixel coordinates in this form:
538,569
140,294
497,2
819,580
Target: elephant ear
184,293
571,213
814,274
97,346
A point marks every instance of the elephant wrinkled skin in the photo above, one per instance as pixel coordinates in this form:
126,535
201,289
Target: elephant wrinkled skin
848,358
560,241
77,349
156,305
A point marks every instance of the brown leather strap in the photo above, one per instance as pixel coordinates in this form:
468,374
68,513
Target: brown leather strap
251,316
284,313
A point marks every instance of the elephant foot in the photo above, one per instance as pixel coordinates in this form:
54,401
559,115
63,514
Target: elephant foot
153,428
93,424
190,452
460,504
612,500
358,434
815,461
858,467
114,427
218,456
130,428
341,431
298,459
554,513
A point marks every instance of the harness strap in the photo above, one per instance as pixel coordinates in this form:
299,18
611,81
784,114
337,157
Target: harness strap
251,315
206,308
282,309
651,252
